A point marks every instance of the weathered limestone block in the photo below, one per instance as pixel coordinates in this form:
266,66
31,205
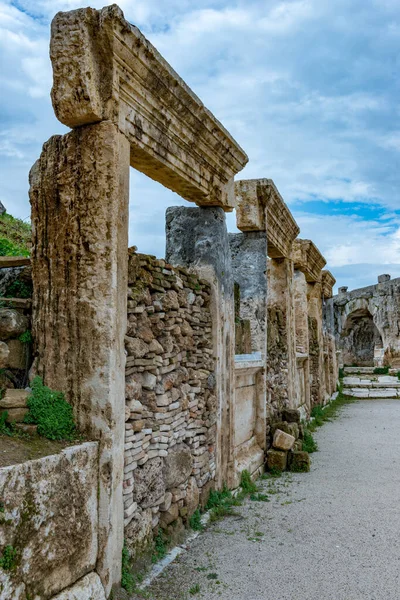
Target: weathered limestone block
178,141
4,354
192,496
15,414
49,502
299,461
276,459
79,197
139,533
14,399
87,588
283,441
149,485
177,466
170,515
17,358
12,323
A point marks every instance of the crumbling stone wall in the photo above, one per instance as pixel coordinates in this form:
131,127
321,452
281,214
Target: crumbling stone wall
170,419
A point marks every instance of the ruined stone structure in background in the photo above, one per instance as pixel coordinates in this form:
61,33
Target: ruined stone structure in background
365,323
182,371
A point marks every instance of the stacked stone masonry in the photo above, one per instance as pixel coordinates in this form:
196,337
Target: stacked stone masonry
170,415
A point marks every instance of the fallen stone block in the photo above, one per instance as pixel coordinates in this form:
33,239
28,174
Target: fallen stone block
282,440
299,461
276,459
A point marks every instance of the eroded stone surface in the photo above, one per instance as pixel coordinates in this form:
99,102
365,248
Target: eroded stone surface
48,502
87,588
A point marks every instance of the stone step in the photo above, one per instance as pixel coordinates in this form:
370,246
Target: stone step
359,369
14,261
14,399
367,392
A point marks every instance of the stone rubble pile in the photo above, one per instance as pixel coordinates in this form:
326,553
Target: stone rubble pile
170,415
286,451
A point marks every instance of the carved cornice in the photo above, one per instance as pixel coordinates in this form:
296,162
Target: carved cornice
105,69
328,281
308,259
260,207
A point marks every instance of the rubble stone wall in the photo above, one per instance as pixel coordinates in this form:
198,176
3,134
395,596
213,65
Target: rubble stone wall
170,419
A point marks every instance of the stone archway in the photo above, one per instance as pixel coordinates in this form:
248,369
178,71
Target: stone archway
360,339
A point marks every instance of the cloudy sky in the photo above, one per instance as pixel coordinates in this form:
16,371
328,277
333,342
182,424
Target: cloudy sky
309,88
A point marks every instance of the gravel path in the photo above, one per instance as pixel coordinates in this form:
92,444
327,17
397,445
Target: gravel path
332,534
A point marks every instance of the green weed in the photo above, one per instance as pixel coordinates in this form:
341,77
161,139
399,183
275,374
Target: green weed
259,497
51,412
221,502
195,521
195,589
246,483
309,444
160,547
26,337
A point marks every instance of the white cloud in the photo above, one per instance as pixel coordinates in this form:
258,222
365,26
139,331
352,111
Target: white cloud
312,98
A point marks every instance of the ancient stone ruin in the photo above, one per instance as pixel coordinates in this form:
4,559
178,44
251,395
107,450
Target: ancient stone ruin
183,372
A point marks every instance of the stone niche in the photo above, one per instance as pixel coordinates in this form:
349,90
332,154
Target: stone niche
49,517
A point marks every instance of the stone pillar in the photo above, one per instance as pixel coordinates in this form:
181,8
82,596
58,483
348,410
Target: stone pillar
79,196
249,264
302,342
197,239
281,352
316,343
261,208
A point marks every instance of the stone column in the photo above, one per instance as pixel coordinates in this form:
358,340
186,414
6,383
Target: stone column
79,197
249,264
197,239
281,363
302,341
261,208
317,372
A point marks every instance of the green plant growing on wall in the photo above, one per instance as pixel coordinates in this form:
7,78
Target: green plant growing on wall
127,578
8,559
19,289
26,337
49,410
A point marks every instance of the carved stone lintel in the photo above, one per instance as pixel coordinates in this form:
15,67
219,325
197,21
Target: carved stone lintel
328,281
105,69
260,207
